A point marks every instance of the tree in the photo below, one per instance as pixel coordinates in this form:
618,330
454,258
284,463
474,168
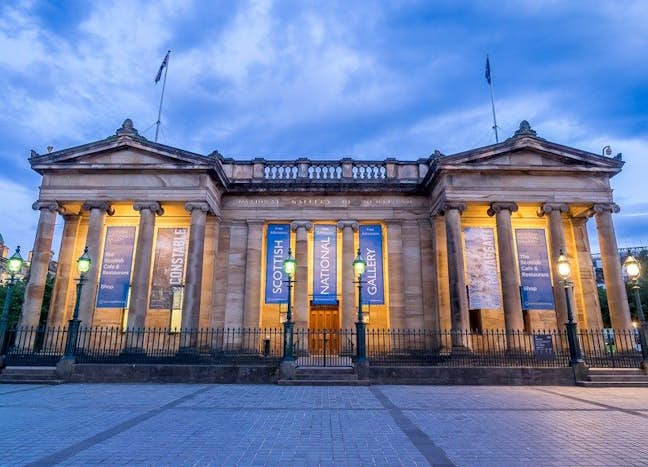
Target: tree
18,296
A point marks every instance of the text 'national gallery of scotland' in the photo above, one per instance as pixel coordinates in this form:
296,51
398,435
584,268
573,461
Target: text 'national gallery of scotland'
457,242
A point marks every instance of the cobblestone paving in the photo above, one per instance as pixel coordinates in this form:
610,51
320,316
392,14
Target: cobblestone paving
142,424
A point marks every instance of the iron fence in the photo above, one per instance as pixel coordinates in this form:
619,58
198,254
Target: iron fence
319,347
413,347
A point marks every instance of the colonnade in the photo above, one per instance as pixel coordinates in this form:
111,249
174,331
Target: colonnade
236,281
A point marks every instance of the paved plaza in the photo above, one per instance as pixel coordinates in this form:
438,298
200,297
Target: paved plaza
177,424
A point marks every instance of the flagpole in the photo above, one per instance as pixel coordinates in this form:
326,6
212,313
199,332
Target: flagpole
157,124
490,87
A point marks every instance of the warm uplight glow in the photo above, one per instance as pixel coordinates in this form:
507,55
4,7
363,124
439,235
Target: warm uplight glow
564,268
359,264
289,264
14,264
632,268
635,324
84,262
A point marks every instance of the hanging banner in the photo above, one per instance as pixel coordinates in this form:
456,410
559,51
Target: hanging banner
325,264
114,281
535,276
371,242
277,244
168,267
481,268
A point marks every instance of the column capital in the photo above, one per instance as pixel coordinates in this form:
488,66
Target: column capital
294,225
449,206
501,206
152,206
97,204
200,205
546,208
46,205
347,224
600,208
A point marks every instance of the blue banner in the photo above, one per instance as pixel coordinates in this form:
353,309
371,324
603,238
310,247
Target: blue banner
371,247
116,267
535,277
325,264
277,244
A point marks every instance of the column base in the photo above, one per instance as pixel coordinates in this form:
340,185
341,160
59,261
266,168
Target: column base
287,370
65,368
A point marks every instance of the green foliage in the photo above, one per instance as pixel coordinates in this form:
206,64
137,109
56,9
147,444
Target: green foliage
605,309
18,296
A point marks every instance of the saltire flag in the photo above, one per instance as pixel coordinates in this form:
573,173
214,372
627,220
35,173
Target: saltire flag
488,76
165,62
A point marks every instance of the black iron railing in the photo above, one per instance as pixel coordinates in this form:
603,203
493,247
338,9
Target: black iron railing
317,347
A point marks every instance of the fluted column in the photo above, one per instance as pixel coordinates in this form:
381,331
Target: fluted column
513,318
64,271
252,316
456,272
557,243
589,289
41,255
142,266
94,238
349,314
193,278
301,276
614,285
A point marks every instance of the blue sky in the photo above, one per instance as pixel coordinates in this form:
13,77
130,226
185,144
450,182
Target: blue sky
324,80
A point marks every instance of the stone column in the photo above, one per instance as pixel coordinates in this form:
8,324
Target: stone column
456,273
396,279
234,297
64,271
221,276
412,261
301,275
513,318
614,285
193,278
557,243
429,275
592,311
142,265
349,312
94,239
252,316
41,255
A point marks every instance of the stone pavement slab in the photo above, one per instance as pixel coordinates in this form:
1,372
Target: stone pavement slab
177,424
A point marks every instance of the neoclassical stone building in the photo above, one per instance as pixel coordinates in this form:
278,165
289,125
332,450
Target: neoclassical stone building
460,241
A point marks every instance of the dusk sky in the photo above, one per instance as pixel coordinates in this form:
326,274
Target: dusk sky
323,80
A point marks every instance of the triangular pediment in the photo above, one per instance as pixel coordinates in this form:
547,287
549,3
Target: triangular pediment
531,152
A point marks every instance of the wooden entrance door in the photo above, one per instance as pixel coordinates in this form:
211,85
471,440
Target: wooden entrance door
324,330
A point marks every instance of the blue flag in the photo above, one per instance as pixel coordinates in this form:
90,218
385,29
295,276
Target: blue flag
488,76
165,62
487,70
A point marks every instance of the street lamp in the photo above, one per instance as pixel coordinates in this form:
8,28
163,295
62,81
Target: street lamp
289,267
564,272
633,271
14,265
83,266
359,267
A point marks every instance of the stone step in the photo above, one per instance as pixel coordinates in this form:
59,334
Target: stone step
615,371
610,384
324,382
620,378
326,377
31,381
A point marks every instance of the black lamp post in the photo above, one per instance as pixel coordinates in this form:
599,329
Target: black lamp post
564,271
289,267
14,265
83,266
359,266
633,271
